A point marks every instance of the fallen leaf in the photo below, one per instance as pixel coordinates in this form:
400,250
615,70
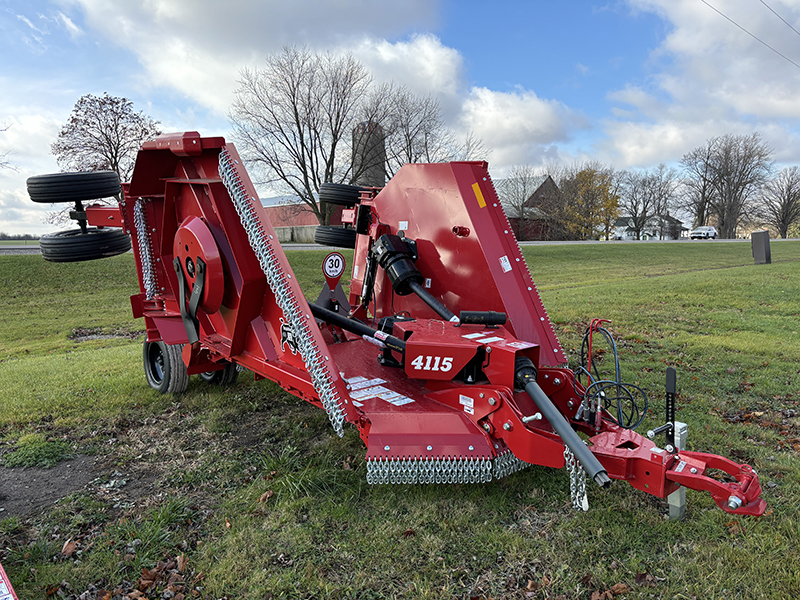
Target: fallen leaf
228,523
181,563
134,594
586,579
69,547
645,579
620,588
546,581
532,586
409,533
266,496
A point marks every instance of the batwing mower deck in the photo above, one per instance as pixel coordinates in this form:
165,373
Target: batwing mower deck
443,356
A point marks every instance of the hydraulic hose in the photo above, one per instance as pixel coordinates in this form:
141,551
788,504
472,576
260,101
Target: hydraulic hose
525,378
371,335
428,298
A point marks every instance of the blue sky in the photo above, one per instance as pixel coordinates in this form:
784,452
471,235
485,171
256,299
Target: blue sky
630,83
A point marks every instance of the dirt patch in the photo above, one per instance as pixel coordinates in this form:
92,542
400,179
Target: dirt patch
84,334
24,492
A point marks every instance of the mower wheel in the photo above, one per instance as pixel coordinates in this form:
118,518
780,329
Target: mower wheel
73,245
70,187
328,235
339,193
164,368
224,378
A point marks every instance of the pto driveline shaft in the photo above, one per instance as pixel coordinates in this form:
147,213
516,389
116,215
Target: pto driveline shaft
371,335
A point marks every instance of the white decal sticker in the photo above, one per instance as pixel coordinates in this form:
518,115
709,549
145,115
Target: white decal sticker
402,226
468,404
491,339
368,392
520,345
358,404
472,336
364,383
353,380
680,467
402,401
505,264
355,272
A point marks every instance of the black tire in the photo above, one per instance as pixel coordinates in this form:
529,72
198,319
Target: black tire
73,245
224,378
339,193
328,235
70,187
164,368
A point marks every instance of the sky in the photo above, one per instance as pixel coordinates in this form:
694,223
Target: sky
629,83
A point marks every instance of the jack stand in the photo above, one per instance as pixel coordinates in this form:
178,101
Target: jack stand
677,499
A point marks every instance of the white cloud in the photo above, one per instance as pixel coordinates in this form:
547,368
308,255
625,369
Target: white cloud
519,127
709,78
199,47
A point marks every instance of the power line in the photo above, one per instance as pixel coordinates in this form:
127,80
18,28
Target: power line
758,39
780,17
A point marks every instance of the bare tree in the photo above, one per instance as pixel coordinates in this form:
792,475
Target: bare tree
294,119
780,199
516,190
697,185
727,174
4,162
103,133
645,198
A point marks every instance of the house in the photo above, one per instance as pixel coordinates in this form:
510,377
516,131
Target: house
293,220
530,221
658,227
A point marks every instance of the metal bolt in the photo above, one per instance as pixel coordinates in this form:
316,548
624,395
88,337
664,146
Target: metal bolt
670,448
693,470
547,376
507,426
492,401
570,403
535,417
386,448
430,448
556,381
481,395
471,448
734,502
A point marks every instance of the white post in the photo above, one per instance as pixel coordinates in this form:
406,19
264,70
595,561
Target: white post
677,499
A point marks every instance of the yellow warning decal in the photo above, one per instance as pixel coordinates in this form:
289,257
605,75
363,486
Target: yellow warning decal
479,195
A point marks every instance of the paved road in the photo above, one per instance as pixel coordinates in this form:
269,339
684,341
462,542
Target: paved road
31,249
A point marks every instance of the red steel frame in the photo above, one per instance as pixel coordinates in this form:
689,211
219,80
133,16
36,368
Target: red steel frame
417,413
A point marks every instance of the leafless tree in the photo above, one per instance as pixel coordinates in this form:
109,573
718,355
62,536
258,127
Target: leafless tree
294,118
516,190
780,199
646,196
726,176
103,133
4,162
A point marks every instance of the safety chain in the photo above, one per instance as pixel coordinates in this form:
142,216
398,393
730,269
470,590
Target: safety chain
577,481
145,250
442,470
278,282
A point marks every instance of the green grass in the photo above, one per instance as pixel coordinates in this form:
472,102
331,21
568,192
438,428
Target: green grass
254,488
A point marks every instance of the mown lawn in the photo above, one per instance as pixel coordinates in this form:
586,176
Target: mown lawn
247,493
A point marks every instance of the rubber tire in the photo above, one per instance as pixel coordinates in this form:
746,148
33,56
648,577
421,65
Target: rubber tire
70,187
224,378
73,245
328,235
164,368
339,193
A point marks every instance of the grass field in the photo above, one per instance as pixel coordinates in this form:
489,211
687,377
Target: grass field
247,493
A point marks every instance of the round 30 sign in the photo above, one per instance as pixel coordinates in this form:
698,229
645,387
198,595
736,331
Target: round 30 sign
333,268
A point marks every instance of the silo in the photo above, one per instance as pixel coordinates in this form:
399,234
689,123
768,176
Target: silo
369,155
